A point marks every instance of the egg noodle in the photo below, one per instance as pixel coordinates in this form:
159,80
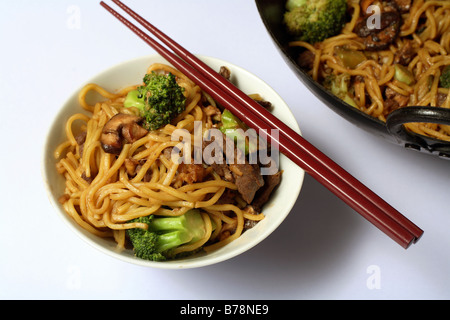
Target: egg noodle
425,29
105,205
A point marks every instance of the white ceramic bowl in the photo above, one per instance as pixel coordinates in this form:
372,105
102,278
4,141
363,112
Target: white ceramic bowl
132,72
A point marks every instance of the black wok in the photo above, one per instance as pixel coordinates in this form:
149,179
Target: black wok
271,12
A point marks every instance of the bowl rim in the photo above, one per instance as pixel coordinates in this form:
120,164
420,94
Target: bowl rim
171,264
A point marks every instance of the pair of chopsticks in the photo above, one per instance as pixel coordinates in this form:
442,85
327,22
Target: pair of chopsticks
289,142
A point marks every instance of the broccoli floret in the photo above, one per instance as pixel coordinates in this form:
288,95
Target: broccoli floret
314,21
159,100
165,234
445,77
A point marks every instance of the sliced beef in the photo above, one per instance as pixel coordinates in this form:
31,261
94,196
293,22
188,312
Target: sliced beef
265,104
147,176
394,100
228,196
248,224
167,152
86,178
81,138
271,182
406,53
220,167
248,179
246,176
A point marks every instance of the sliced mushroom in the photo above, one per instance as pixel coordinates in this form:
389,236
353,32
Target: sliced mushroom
380,37
121,129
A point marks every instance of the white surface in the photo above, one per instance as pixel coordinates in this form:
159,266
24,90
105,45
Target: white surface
324,250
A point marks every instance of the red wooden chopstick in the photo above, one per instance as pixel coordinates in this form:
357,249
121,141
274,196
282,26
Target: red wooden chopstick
290,143
274,122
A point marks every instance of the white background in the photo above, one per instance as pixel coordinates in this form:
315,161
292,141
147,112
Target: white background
324,250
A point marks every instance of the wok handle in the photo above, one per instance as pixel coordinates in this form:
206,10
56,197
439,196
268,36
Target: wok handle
396,120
